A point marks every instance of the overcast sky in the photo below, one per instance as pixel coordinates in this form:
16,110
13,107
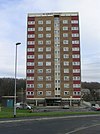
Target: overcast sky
13,26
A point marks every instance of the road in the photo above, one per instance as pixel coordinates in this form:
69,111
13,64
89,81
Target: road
66,125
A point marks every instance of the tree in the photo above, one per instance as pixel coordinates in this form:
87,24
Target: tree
7,86
93,87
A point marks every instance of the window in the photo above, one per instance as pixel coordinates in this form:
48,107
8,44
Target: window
66,63
76,85
76,93
76,56
48,70
30,70
40,63
31,42
31,35
31,29
40,42
57,52
48,85
30,49
75,35
30,56
30,93
66,92
48,42
57,42
39,93
75,63
40,56
40,70
56,25
39,85
56,32
48,56
48,21
65,49
66,70
40,35
31,22
48,35
65,41
30,63
30,78
48,63
76,77
48,49
40,78
56,38
48,78
48,93
48,28
74,22
66,56
65,34
65,28
30,85
74,28
57,81
40,49
65,21
40,22
66,85
76,70
66,78
40,28
75,42
75,49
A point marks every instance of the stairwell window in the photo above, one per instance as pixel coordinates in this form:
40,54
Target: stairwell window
40,22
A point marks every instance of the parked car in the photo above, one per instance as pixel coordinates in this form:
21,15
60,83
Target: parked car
66,107
23,106
96,108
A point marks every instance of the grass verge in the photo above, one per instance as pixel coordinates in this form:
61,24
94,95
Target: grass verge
8,113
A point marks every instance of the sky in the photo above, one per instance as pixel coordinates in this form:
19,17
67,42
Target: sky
13,29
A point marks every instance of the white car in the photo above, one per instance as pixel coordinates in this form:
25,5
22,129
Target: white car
23,106
66,107
96,108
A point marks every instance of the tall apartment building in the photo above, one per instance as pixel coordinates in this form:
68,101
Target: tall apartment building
53,58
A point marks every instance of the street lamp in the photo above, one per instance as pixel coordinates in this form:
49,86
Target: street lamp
15,79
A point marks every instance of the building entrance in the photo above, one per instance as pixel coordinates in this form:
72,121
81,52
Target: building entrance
53,102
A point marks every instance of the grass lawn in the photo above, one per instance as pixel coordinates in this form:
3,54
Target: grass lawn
8,113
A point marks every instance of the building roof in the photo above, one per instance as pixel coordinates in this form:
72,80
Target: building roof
54,13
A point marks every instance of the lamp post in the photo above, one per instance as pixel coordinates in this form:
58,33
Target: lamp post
15,79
